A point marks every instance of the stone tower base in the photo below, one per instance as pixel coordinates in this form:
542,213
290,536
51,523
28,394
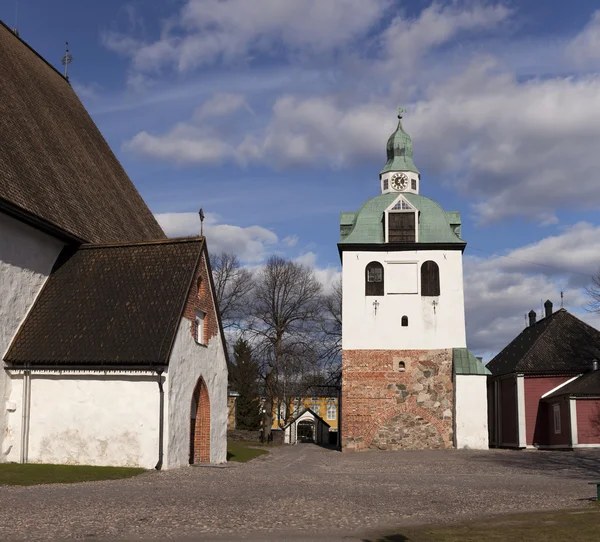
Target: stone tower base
397,399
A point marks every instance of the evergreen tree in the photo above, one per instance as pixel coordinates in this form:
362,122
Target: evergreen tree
245,382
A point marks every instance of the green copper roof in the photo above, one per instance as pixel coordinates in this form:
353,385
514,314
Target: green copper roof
399,152
465,363
367,227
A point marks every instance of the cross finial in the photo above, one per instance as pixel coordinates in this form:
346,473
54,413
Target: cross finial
66,60
400,111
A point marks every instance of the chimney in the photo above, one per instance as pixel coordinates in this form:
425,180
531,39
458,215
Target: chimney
531,317
548,307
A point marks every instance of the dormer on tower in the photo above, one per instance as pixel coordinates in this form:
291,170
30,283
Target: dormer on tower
399,173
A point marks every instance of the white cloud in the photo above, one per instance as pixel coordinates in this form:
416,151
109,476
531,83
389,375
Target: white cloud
220,105
290,240
184,144
584,49
250,244
207,31
405,41
501,290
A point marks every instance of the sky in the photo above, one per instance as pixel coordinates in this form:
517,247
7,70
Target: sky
273,115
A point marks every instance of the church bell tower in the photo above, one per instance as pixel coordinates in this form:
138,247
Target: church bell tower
403,334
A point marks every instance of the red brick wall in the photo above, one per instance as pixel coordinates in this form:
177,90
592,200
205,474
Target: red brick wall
202,299
200,426
547,411
390,409
535,416
508,412
588,421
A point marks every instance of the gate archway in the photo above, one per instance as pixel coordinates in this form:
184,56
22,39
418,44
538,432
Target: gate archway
200,424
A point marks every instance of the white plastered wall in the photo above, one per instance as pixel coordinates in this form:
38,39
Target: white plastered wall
91,418
26,259
189,361
470,418
430,326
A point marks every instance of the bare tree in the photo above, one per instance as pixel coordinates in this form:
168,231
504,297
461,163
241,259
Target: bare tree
332,327
286,310
233,285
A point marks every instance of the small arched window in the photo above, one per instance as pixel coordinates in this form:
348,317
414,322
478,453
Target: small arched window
401,366
430,279
405,321
374,279
199,287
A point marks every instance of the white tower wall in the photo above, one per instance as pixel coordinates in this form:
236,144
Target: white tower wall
429,327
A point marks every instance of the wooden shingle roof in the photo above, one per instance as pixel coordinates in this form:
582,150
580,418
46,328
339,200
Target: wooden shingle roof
557,344
56,169
108,306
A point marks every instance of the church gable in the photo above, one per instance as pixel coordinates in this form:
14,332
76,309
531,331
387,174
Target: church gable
56,169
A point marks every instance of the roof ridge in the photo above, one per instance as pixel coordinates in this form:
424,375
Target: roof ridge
12,33
167,241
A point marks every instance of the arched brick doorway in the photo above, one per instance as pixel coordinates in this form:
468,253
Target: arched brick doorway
200,424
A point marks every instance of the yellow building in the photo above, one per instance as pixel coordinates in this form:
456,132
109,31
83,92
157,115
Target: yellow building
324,407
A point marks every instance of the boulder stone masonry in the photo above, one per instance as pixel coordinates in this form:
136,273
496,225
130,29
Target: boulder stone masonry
397,399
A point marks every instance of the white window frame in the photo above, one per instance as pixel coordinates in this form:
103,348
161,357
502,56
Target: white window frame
200,316
331,407
556,412
412,209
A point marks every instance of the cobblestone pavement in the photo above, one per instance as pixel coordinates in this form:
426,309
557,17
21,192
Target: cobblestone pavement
302,492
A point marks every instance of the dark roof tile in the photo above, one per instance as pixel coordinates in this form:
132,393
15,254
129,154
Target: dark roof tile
109,305
54,163
560,343
586,385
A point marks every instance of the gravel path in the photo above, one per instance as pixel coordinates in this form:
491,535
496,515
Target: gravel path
302,492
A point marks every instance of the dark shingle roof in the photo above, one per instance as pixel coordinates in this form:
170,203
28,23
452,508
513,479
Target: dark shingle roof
109,305
560,343
54,163
586,385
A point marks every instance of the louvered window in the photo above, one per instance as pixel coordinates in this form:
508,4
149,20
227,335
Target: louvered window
430,279
401,226
385,184
374,279
413,184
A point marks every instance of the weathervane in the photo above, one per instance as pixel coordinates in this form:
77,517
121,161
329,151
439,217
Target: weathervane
66,60
400,111
201,215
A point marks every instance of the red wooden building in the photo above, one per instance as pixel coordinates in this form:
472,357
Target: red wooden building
544,391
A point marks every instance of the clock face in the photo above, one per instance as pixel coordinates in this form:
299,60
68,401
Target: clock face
399,181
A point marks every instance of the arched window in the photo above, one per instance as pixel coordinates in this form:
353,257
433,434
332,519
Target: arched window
405,321
430,279
374,279
401,366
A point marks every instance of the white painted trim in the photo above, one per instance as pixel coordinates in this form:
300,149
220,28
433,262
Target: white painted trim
587,445
521,420
573,419
555,446
559,386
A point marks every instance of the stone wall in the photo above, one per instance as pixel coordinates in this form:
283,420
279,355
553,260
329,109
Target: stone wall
397,399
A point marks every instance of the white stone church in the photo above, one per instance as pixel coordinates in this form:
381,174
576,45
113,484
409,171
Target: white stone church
408,379
112,348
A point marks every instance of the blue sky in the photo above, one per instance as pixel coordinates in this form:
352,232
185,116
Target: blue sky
273,116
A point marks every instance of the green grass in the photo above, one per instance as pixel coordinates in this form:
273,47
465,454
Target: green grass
16,474
243,451
574,525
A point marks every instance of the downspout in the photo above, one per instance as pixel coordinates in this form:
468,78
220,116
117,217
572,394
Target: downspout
26,407
161,419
